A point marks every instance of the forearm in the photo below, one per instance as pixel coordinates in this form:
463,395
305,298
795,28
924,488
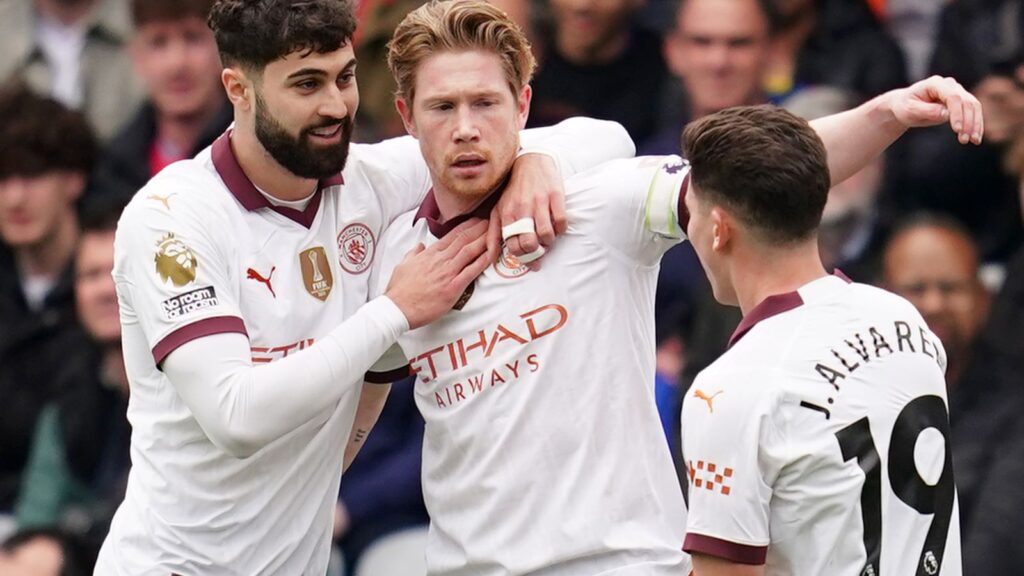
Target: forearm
371,402
242,407
580,143
854,137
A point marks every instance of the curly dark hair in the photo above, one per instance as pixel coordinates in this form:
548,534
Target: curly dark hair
39,135
254,33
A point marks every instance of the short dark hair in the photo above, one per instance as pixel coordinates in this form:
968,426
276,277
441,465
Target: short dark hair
768,9
99,211
39,135
765,165
925,219
254,33
149,11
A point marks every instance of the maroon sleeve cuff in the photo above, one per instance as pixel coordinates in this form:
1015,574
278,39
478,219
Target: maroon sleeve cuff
387,377
198,329
681,211
739,553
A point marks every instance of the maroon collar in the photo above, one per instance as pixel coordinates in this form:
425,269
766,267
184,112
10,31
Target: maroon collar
773,306
246,193
432,212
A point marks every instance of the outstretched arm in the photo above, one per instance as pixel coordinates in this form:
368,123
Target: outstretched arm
854,137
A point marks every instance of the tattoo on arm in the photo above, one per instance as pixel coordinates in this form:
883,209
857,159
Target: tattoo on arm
359,436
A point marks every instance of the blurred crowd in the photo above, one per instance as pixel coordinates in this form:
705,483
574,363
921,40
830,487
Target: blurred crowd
99,95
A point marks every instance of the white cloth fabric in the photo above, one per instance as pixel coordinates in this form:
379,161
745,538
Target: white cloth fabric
543,451
818,444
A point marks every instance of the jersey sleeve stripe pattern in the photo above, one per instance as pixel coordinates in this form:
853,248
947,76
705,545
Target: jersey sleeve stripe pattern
741,553
665,212
387,377
204,327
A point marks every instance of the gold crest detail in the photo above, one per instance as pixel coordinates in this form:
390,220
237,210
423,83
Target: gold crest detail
175,261
316,272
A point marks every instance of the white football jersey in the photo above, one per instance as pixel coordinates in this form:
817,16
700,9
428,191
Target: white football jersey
201,251
543,452
818,444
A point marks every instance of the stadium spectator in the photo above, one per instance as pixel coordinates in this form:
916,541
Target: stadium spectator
73,51
46,153
933,262
77,468
384,531
175,56
598,62
832,42
718,49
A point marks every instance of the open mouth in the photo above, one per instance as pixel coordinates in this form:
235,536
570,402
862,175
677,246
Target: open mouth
327,131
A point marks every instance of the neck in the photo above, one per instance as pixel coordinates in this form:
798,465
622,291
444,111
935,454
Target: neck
589,55
264,172
67,13
183,131
757,275
50,257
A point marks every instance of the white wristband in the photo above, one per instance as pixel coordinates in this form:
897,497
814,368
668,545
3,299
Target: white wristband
521,226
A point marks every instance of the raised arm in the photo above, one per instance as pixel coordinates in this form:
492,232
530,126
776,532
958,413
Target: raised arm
549,156
852,138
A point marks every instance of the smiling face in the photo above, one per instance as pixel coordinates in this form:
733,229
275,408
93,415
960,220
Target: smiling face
719,50
467,119
305,105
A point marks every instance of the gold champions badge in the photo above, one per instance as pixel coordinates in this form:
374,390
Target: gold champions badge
316,272
175,261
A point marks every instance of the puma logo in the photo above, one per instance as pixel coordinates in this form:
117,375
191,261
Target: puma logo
709,399
254,275
161,199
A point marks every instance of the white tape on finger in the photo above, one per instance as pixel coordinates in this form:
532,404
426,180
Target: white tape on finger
521,226
535,255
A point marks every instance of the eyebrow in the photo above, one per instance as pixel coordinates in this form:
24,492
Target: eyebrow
318,72
449,97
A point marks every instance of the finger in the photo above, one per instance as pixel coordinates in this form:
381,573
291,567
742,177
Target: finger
469,253
967,130
471,271
542,219
463,234
956,114
419,247
522,244
545,228
558,217
494,232
459,233
979,120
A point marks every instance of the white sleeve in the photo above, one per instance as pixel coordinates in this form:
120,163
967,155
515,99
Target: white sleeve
635,205
578,144
242,407
173,266
731,448
393,364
